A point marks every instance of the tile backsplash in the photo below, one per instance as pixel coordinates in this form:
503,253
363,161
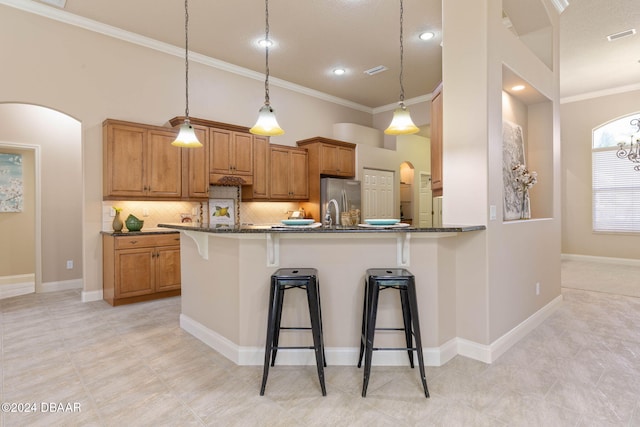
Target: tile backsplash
154,213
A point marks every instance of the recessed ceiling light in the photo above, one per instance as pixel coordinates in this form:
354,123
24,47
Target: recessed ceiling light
427,35
265,43
339,71
517,87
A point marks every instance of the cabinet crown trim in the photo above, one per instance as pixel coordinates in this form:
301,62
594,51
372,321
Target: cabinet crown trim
324,140
208,123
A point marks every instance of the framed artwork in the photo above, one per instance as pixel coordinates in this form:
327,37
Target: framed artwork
222,212
11,186
512,154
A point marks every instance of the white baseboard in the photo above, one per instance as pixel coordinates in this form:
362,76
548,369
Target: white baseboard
21,284
489,353
336,356
602,259
88,296
59,286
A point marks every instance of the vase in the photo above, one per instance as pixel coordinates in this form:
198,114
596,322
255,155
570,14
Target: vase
524,214
117,223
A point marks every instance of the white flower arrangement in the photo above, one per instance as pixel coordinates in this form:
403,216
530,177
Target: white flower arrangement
523,177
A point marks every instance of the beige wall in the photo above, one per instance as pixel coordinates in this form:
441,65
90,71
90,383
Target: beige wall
93,77
17,246
578,120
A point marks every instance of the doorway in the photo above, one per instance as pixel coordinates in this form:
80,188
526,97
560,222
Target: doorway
425,202
377,193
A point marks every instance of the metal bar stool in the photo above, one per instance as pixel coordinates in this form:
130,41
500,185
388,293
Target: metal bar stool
378,280
282,280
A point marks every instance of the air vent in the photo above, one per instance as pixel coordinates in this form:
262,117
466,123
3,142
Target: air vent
621,34
376,70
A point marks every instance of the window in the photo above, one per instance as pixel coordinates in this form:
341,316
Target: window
616,184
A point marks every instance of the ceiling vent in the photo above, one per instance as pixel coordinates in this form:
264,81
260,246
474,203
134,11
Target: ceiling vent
376,70
621,34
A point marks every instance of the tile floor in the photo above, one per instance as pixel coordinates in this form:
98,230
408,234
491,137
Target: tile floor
134,366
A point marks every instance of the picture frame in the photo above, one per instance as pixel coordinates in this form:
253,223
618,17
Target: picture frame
222,213
512,154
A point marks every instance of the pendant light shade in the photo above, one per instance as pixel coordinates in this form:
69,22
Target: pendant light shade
401,123
266,124
186,137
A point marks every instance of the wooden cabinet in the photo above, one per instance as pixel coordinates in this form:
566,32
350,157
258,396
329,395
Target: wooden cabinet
140,162
436,141
230,153
334,158
288,173
195,167
327,157
259,190
140,267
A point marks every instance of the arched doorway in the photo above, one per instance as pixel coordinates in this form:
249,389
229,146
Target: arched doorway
55,236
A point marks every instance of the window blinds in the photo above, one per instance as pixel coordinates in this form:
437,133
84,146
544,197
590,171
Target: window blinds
616,193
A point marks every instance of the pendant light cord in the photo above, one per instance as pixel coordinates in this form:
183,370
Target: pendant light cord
186,57
267,41
401,53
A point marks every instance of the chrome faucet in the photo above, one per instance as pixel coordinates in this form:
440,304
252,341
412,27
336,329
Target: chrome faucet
327,216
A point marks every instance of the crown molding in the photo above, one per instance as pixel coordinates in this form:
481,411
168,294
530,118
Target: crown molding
600,93
128,36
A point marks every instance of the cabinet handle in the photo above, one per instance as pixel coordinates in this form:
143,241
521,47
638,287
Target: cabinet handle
133,242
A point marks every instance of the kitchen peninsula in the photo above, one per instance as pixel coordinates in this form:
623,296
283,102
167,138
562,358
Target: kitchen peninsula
226,273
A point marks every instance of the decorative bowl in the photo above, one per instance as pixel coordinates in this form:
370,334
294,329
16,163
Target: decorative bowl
297,221
133,223
382,221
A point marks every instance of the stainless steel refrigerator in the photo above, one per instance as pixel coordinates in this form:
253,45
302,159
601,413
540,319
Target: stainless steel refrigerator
347,195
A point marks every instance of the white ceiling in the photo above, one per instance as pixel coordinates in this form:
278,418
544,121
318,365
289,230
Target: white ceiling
315,36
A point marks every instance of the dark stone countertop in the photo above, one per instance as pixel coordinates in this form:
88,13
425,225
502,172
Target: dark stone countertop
247,229
142,232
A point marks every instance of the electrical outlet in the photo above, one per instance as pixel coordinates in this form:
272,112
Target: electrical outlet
538,288
145,211
492,212
112,212
69,264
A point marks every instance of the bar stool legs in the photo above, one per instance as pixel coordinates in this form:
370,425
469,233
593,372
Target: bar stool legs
281,280
402,280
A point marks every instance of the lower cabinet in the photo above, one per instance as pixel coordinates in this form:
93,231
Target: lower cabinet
140,267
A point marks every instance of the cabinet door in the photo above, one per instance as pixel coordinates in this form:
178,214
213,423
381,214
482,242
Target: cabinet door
328,159
242,154
134,272
279,176
219,151
346,161
167,259
124,153
197,170
299,183
436,144
260,188
164,165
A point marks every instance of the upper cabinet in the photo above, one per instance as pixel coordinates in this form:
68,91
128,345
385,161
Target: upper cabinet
327,157
231,153
195,167
436,141
332,157
140,162
289,173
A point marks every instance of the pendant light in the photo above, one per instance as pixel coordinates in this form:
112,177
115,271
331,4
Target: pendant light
266,124
401,124
187,136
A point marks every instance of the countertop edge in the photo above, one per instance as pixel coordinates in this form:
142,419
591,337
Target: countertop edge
321,230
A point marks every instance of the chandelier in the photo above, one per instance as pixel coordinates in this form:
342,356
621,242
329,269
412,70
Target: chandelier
633,151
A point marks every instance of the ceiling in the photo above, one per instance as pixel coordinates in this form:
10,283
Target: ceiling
313,37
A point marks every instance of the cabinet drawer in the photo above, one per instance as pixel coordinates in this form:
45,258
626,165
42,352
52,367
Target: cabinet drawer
127,242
